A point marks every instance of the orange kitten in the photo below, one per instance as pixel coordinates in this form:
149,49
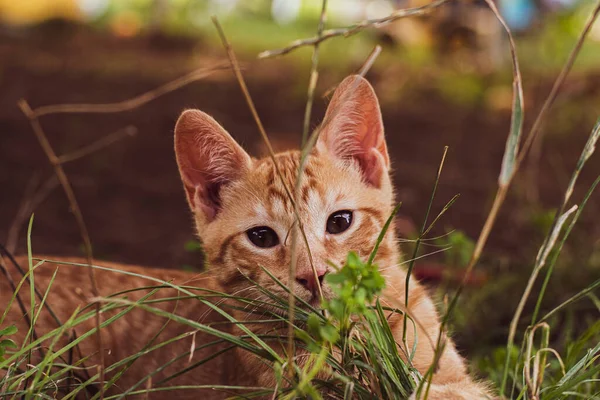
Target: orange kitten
243,216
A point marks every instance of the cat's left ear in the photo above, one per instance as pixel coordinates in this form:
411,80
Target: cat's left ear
353,129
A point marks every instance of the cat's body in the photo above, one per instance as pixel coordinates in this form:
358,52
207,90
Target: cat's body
244,217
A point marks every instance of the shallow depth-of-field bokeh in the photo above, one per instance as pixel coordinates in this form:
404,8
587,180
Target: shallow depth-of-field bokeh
443,80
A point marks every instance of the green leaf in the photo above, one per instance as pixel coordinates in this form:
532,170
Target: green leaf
311,344
329,333
353,259
10,330
6,343
516,127
335,279
314,324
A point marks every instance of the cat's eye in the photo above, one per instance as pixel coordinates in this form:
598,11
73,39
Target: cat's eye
263,236
339,221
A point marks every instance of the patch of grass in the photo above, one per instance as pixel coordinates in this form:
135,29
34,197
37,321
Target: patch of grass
357,331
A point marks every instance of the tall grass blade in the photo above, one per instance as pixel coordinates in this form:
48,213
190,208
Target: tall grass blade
550,243
572,299
418,241
386,226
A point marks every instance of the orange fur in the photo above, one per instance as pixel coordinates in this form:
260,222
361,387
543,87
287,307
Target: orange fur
229,193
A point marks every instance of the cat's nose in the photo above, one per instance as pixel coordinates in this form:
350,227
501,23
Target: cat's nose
308,279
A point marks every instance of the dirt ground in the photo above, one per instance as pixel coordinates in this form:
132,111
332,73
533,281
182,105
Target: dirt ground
130,193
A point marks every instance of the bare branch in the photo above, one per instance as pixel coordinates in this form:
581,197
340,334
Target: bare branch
68,189
314,77
32,198
56,162
132,103
560,79
98,144
353,29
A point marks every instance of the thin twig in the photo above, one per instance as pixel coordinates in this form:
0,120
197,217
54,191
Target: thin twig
68,189
370,61
314,76
131,103
23,274
418,242
21,304
263,133
240,78
15,288
509,169
560,79
99,144
33,198
306,150
351,30
535,138
56,162
34,195
504,184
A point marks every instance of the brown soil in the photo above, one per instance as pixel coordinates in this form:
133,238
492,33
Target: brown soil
130,193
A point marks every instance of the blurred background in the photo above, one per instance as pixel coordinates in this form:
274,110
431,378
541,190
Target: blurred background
443,79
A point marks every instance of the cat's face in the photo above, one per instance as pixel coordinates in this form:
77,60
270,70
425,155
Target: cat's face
244,213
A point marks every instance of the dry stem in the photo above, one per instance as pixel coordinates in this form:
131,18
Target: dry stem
351,30
33,197
98,145
56,161
504,184
314,76
560,79
68,189
131,103
535,138
263,133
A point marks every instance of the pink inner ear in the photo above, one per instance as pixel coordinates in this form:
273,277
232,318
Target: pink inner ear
372,165
200,203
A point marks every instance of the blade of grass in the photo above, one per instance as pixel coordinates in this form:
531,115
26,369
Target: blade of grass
587,152
263,391
16,289
576,374
314,76
31,334
508,170
263,133
68,190
386,226
572,299
411,265
298,226
540,262
558,83
35,319
550,242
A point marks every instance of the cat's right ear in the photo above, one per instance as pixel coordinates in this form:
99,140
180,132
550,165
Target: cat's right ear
353,129
208,158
